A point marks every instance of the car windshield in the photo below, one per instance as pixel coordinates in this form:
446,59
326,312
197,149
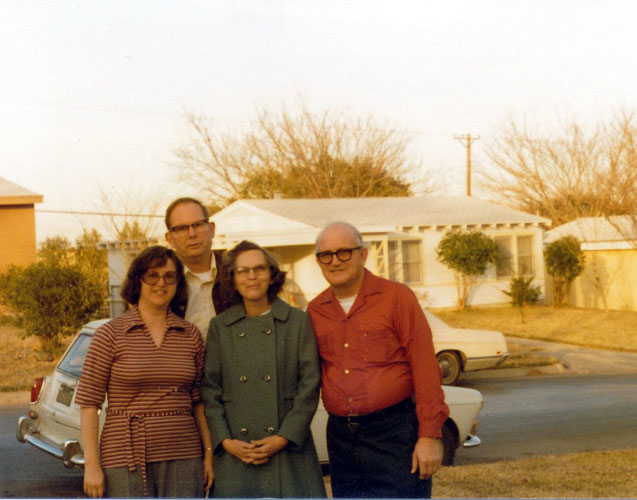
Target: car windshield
73,360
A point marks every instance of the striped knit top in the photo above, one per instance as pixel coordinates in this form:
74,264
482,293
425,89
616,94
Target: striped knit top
151,390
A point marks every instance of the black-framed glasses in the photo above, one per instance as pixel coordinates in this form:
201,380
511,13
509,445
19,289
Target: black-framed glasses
342,254
183,229
152,277
244,272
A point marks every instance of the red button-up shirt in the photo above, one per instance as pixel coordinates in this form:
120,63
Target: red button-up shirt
378,354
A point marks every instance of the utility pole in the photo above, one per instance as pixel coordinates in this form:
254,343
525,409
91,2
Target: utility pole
466,141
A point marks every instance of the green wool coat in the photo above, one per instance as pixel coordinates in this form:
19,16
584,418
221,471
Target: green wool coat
262,378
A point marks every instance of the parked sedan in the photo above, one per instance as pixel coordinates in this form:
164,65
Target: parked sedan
52,423
464,350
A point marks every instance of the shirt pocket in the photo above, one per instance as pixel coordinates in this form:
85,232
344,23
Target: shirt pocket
378,346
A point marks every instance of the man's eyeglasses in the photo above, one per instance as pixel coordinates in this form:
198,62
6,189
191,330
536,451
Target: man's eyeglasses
244,272
343,254
183,229
152,278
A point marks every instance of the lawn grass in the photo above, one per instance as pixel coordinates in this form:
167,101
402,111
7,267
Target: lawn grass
599,474
584,327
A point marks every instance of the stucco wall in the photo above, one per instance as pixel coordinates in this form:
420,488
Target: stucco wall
17,241
609,274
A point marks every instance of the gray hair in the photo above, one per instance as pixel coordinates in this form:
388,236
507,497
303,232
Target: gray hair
358,238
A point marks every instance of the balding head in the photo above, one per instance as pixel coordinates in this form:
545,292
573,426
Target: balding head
341,228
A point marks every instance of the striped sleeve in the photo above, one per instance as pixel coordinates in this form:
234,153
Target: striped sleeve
91,390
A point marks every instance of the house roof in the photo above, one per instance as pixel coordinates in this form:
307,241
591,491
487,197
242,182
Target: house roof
598,232
12,194
306,216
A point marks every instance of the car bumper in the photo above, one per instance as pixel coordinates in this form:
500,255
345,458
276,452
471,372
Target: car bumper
69,452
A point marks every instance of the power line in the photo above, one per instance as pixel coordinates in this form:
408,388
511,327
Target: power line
108,214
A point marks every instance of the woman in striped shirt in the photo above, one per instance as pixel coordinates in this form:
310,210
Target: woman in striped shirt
149,362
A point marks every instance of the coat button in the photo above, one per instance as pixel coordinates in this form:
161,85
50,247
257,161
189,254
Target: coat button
243,378
242,334
270,430
268,331
244,431
267,378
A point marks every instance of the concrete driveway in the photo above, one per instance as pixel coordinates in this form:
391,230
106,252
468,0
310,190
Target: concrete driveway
572,360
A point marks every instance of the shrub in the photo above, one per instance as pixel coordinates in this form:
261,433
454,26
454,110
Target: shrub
50,300
564,261
467,254
522,293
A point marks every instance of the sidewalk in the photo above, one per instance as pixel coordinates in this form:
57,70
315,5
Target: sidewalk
572,360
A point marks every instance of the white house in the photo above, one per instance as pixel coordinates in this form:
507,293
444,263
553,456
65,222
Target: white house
402,235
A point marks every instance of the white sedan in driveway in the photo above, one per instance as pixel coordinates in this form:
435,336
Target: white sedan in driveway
52,423
463,350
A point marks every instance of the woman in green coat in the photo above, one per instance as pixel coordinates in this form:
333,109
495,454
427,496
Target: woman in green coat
261,385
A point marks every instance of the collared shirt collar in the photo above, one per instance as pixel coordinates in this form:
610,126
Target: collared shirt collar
370,286
132,319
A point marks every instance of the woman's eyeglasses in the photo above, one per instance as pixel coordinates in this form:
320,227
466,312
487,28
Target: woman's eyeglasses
342,254
244,272
152,278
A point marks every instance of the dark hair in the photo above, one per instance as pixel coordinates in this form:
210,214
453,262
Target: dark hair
155,256
179,201
229,291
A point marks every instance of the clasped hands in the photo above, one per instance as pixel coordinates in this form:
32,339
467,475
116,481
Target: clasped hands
255,452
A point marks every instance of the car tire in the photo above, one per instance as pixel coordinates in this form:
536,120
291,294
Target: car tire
450,366
449,445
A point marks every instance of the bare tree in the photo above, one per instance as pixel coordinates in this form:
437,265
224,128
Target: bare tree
297,154
574,175
133,215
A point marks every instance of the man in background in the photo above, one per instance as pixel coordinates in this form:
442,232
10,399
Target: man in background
190,233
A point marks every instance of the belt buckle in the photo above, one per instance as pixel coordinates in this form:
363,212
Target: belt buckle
351,424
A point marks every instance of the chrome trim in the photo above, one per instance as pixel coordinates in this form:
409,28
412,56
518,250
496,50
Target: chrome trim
472,441
70,454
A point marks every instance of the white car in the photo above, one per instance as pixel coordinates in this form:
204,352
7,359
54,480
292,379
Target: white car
463,350
53,420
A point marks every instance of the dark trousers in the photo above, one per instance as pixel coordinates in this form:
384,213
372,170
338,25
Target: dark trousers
370,456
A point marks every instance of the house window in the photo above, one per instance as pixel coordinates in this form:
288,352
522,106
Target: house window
525,255
504,262
404,261
515,253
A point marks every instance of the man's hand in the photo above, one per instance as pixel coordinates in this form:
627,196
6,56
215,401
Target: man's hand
427,457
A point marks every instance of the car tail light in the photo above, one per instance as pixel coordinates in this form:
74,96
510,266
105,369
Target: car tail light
36,388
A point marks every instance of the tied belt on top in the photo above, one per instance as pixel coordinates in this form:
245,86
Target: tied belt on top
136,426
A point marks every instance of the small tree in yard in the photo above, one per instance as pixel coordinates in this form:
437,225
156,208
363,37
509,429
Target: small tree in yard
564,261
522,293
49,300
467,254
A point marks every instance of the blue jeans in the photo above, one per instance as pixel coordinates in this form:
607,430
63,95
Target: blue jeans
370,456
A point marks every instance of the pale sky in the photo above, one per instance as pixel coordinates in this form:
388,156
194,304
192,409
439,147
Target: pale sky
93,93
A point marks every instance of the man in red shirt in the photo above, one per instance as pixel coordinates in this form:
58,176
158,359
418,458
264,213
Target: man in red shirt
380,381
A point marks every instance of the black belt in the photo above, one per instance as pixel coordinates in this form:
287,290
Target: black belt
405,406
